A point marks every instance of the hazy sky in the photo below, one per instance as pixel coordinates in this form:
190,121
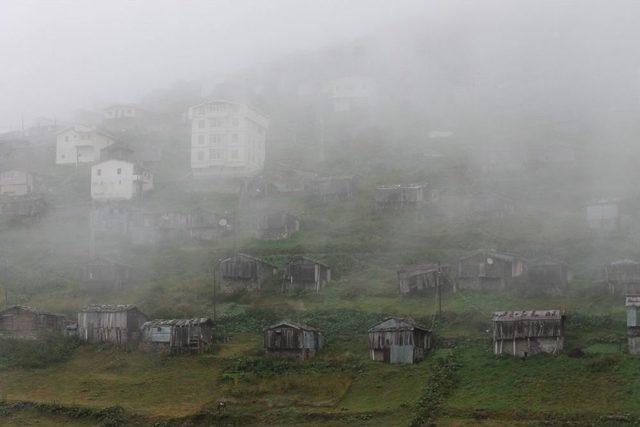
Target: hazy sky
59,55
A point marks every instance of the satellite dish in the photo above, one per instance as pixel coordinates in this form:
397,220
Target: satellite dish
490,261
223,222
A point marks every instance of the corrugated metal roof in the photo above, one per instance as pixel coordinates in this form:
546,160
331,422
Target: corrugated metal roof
30,310
176,322
633,301
514,316
109,308
397,324
295,325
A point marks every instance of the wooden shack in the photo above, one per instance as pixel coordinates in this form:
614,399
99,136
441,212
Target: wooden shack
397,340
178,335
623,277
399,197
115,324
491,270
525,333
547,275
332,188
289,339
26,323
101,271
305,274
423,278
245,273
278,226
632,304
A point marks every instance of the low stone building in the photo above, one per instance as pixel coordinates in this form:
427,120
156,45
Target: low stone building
491,270
622,277
245,273
289,339
398,340
633,323
115,324
178,335
21,322
305,274
423,278
525,333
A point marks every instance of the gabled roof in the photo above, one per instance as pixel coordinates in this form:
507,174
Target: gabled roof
397,324
108,308
30,310
306,258
414,270
294,325
86,129
251,258
177,322
518,315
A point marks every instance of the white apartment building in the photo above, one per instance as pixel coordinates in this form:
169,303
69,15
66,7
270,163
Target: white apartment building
80,144
119,180
227,139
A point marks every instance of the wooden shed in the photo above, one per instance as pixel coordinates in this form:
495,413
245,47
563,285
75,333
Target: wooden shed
632,304
178,335
305,274
547,275
245,273
423,278
398,340
278,226
525,333
289,339
490,270
398,197
115,324
21,322
623,277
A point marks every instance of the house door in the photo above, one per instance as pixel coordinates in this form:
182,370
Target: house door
386,355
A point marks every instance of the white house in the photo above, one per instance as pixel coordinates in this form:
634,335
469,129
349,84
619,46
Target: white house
16,183
227,139
119,180
80,144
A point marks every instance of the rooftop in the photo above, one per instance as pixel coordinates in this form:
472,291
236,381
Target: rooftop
515,316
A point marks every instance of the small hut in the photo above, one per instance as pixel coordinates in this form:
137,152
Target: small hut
423,278
399,197
623,277
302,273
525,333
115,324
633,323
21,322
397,340
490,270
547,275
278,226
289,339
332,188
178,335
245,273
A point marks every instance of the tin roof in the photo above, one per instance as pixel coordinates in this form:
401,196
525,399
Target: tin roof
632,301
249,257
108,308
29,309
397,324
414,270
295,325
177,322
518,315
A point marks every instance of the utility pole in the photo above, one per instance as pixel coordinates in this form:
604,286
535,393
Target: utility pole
212,271
439,290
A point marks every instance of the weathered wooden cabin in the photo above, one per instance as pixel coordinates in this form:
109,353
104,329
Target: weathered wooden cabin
289,339
21,322
399,197
623,277
547,275
245,273
423,278
278,226
490,270
632,304
102,271
525,333
115,324
305,274
178,335
332,188
397,340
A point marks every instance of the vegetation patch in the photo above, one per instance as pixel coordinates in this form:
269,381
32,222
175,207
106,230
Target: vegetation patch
35,354
441,383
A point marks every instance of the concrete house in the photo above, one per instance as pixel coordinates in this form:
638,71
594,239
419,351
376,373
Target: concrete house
278,226
491,270
227,139
21,322
399,197
114,324
80,144
305,274
16,183
397,340
178,335
423,278
119,180
633,323
289,339
623,277
245,273
525,333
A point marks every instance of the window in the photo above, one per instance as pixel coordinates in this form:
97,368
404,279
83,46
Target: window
216,138
215,154
119,171
99,172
